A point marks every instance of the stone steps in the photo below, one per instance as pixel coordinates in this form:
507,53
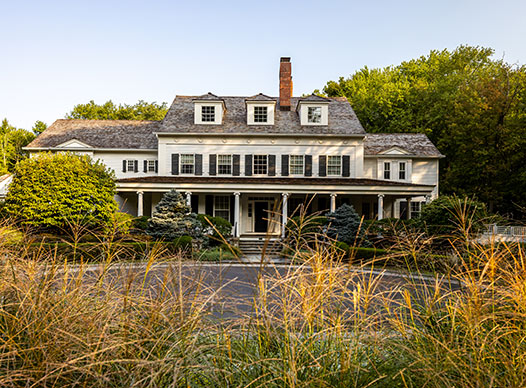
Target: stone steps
255,247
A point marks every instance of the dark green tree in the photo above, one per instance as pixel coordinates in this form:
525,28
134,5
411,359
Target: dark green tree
345,225
54,190
39,127
173,218
109,111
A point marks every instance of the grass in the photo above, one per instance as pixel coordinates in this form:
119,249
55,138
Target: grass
314,325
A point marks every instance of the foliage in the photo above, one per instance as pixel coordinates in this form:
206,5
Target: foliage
471,106
39,127
120,223
54,190
183,242
109,111
345,225
172,218
217,228
140,223
11,142
216,254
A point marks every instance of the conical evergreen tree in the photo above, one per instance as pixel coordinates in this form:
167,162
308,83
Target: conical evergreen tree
345,225
172,218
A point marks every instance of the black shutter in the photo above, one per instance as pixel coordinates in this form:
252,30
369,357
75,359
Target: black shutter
198,158
145,166
284,165
308,165
346,165
209,205
235,165
156,166
248,165
212,164
322,164
232,208
272,165
136,165
175,164
194,201
124,163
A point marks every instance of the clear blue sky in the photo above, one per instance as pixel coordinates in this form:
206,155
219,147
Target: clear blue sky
56,54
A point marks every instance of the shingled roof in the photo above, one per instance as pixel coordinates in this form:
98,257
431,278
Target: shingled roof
414,143
126,134
180,119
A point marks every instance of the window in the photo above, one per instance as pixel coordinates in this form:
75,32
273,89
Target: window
151,165
296,164
260,165
334,165
187,163
401,171
130,166
415,209
208,114
314,114
224,164
387,170
260,114
222,206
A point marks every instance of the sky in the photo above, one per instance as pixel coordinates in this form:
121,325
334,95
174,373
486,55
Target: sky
56,54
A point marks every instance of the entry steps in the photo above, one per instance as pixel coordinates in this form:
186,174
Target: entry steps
254,247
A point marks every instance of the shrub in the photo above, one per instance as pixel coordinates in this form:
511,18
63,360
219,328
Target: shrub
55,190
216,228
183,243
216,254
140,223
345,225
305,225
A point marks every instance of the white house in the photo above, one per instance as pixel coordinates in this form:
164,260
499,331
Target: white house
253,160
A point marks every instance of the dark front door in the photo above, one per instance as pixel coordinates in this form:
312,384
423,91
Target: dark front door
261,217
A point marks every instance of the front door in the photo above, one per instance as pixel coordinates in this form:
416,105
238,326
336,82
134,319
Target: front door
260,217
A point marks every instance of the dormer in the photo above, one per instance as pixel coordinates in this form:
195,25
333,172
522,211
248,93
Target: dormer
313,110
260,110
208,109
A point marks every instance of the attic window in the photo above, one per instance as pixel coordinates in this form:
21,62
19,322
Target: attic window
260,114
314,114
208,114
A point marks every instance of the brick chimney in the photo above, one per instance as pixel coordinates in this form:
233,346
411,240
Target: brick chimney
285,83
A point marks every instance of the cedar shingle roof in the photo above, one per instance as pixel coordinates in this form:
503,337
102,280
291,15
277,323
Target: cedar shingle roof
414,143
128,134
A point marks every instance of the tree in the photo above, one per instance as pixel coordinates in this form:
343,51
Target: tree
173,218
52,190
109,111
39,127
345,225
12,140
471,106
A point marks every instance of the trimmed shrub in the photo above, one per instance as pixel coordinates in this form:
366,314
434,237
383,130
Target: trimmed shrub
216,228
216,254
345,225
183,243
140,223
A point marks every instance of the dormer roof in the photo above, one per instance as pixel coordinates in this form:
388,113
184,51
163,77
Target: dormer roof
314,98
207,97
261,97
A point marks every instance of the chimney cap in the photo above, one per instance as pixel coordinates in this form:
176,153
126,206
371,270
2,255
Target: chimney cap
284,59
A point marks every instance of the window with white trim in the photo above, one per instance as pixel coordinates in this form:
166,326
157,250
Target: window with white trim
415,209
222,206
260,165
296,164
314,114
187,163
334,165
224,164
151,166
260,114
130,165
387,170
402,171
208,114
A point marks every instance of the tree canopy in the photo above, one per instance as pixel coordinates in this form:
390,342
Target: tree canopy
52,190
109,111
473,107
12,140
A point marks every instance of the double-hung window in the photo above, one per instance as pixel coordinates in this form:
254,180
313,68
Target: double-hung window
130,165
260,114
260,165
314,114
296,164
187,163
402,172
415,209
224,164
387,170
151,166
208,114
222,206
334,165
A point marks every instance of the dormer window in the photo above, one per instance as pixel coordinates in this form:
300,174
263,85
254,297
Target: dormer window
260,110
208,114
260,114
314,114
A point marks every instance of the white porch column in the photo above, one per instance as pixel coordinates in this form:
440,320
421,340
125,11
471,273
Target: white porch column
236,214
428,198
333,202
140,202
189,198
408,199
285,213
380,206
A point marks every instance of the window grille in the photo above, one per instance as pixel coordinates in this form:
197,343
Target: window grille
260,165
314,114
387,170
224,164
260,114
222,206
296,164
334,165
187,163
208,114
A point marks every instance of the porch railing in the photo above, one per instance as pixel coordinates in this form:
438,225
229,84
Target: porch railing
506,231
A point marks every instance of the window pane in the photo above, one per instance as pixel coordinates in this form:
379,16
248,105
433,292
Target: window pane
334,165
314,114
260,114
260,164
222,206
187,163
387,170
131,165
296,164
151,165
224,164
208,113
401,170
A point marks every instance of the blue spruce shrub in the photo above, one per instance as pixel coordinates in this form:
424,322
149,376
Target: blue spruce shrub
345,226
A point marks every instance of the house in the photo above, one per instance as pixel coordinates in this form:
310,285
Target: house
254,160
